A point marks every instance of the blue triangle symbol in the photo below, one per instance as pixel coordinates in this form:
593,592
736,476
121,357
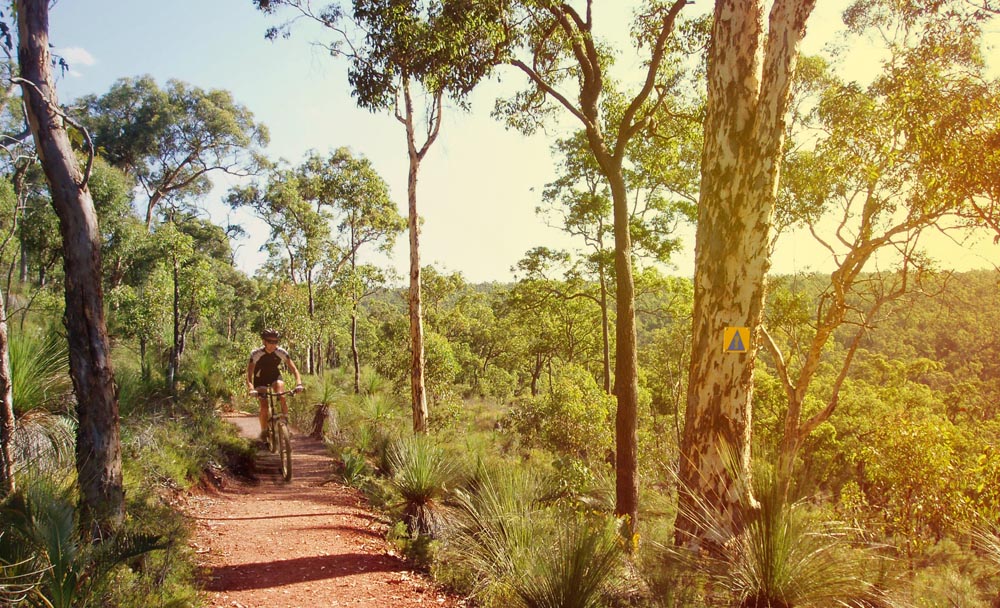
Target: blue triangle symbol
736,344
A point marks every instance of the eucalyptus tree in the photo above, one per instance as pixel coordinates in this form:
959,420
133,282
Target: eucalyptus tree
193,249
171,140
553,43
321,214
362,281
749,76
535,269
364,217
892,164
300,232
397,50
8,221
661,171
98,448
553,316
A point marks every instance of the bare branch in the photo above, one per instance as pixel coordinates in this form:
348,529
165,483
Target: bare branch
537,79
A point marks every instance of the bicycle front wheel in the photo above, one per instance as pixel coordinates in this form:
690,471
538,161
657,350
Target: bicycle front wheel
285,451
272,437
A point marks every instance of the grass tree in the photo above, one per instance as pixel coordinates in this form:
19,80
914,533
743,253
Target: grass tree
422,474
784,555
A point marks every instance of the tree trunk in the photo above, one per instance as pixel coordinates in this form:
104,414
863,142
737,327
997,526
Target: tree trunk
626,362
744,131
418,393
143,364
355,356
98,448
22,265
7,481
312,317
535,374
605,327
175,355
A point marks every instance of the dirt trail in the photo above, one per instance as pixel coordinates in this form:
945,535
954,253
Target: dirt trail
302,543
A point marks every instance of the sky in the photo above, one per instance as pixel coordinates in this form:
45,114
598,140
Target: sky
480,183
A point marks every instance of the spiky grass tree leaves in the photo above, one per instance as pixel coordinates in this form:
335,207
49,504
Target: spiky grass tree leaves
517,550
39,371
579,566
422,474
781,556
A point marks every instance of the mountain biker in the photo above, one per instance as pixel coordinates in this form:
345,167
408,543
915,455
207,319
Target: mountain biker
264,372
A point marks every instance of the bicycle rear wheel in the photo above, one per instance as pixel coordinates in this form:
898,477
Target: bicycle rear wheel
285,450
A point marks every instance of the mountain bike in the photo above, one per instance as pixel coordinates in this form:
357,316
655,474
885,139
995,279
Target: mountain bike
277,435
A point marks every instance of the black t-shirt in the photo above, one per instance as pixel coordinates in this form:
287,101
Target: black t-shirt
267,366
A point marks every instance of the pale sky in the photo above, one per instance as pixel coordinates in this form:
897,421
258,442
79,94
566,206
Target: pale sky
480,183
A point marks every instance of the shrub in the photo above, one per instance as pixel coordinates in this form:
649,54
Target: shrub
508,549
354,469
574,417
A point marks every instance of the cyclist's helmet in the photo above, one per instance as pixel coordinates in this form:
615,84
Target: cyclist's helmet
269,334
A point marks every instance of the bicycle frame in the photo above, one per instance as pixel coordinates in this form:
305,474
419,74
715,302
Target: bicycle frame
278,435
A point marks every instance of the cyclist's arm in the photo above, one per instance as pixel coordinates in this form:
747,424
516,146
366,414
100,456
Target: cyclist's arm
250,367
294,370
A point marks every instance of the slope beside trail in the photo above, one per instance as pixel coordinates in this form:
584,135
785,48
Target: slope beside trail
304,543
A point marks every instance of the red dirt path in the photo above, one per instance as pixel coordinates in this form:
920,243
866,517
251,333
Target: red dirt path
308,542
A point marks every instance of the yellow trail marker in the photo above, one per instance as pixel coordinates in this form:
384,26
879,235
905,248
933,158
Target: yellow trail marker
735,339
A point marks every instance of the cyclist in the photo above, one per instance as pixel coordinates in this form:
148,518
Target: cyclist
264,371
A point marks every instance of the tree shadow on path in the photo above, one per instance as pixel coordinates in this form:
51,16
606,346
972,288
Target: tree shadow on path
262,575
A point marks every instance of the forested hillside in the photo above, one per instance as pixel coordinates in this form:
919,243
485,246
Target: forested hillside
607,428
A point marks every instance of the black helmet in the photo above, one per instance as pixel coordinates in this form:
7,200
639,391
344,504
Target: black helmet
269,334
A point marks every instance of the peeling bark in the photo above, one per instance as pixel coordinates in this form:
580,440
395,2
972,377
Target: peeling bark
748,94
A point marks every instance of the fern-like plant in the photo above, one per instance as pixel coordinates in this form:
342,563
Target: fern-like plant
41,541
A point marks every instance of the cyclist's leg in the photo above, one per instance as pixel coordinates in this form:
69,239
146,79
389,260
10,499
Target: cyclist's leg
279,387
263,414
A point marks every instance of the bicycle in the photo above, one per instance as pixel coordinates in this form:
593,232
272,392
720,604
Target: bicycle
277,435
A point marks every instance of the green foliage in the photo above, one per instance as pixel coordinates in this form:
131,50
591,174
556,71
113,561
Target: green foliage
42,536
573,417
507,549
169,139
354,468
580,569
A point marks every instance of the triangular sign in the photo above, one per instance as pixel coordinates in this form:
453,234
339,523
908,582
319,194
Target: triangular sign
737,344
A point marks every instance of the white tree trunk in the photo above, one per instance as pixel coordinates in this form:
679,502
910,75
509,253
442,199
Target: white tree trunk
748,94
